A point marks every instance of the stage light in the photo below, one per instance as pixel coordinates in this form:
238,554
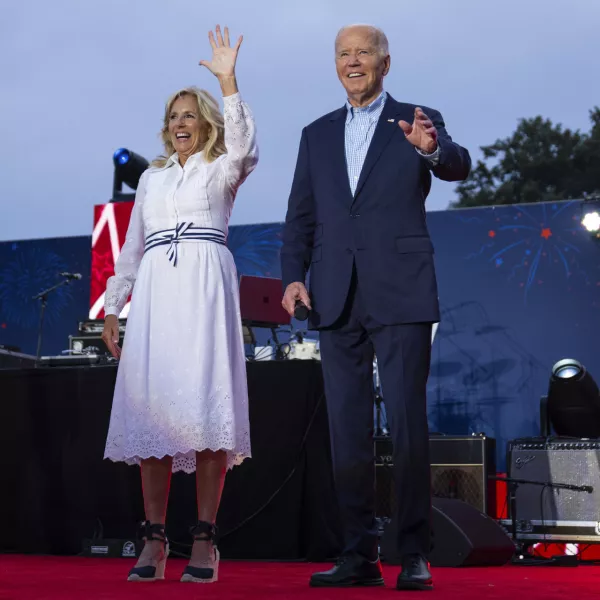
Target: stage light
573,403
129,167
591,221
122,156
591,214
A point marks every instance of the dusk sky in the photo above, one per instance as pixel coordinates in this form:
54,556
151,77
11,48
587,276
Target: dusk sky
81,78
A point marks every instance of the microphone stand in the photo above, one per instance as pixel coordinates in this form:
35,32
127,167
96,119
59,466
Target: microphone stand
512,485
43,297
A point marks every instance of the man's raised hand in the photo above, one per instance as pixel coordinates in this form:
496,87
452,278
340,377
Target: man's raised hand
422,134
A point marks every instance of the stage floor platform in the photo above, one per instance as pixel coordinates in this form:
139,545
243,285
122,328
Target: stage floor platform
53,578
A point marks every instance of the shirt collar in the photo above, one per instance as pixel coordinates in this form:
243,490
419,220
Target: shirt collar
192,160
371,110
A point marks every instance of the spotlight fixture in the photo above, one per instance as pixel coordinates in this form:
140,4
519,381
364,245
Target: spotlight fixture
573,405
129,167
591,221
591,217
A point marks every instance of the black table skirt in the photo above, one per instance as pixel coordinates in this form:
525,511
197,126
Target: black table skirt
57,489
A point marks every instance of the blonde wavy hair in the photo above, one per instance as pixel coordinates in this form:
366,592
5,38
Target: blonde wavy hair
209,111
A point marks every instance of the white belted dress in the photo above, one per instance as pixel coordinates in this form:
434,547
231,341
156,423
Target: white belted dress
181,384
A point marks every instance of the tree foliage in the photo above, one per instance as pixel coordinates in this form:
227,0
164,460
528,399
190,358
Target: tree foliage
540,162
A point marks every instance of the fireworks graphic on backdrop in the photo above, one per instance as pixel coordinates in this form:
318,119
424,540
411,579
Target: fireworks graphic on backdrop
525,241
255,248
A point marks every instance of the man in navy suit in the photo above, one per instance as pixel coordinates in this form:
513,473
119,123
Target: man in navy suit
356,218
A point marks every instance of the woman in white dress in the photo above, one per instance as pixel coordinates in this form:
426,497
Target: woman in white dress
181,399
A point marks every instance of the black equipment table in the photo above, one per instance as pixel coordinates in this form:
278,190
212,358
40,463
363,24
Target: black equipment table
57,489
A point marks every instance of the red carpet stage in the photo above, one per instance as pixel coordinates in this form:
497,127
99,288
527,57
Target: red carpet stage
50,578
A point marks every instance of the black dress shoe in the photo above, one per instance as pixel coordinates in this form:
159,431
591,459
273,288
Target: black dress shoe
415,574
349,570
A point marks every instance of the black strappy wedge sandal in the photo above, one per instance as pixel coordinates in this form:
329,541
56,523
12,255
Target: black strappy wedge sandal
152,532
204,532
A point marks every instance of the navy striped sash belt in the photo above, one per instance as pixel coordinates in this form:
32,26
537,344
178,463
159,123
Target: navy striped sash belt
184,232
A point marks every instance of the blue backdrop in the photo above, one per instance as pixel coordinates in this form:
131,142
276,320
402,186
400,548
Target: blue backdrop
31,266
519,288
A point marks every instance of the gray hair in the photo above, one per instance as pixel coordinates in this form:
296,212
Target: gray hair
380,38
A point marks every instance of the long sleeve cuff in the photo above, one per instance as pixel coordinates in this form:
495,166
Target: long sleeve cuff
233,99
434,157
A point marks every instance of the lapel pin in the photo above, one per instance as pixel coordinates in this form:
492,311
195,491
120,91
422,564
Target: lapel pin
390,120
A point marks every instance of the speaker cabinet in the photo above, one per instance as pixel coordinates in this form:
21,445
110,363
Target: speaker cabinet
462,536
460,466
546,513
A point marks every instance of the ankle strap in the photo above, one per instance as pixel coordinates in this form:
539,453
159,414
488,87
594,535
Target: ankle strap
152,531
205,532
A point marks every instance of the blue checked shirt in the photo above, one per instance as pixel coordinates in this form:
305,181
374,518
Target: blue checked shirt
360,127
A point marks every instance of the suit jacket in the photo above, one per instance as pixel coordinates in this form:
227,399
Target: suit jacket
381,228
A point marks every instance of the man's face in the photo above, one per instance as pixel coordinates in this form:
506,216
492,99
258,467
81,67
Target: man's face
360,65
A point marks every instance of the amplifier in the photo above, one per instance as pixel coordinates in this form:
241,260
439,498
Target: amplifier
554,514
460,466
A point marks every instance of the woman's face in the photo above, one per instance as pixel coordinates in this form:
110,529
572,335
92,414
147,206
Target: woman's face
187,130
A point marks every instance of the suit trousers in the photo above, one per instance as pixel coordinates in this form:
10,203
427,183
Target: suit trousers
403,356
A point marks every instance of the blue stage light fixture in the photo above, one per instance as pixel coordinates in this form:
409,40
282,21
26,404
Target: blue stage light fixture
129,167
121,156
